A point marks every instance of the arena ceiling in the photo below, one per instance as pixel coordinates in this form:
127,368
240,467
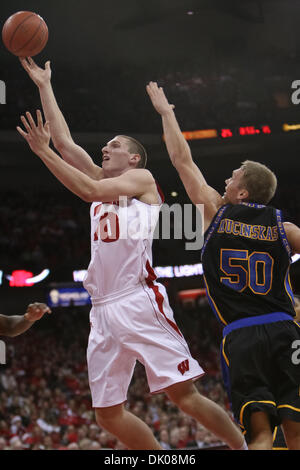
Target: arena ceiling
96,34
143,32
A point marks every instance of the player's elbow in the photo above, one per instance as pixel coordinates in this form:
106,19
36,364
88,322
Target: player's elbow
89,193
61,143
180,159
86,196
174,158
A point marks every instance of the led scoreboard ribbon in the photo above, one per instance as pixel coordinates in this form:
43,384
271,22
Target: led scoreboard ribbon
230,132
245,130
226,132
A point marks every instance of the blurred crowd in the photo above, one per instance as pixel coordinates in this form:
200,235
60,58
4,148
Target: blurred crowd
45,400
34,237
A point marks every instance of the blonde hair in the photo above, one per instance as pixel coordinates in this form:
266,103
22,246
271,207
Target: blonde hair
259,181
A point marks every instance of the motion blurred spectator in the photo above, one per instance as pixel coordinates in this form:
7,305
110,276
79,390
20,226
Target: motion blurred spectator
164,439
49,404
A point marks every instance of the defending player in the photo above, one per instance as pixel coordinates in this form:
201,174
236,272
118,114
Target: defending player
246,258
131,318
15,325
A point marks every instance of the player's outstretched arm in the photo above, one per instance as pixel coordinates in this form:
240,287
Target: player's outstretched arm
135,182
180,154
17,324
60,133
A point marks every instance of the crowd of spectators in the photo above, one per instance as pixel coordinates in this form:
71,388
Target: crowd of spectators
45,400
42,229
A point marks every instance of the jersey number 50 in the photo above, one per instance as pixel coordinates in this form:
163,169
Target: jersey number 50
241,269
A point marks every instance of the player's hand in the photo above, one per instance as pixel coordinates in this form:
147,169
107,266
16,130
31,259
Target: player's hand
35,311
37,136
158,98
39,75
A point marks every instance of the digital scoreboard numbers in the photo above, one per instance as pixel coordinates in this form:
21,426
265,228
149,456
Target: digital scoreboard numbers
240,131
227,132
244,130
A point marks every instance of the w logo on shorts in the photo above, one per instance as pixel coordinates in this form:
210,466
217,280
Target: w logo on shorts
183,366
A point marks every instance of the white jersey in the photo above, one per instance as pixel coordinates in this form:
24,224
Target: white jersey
121,246
131,318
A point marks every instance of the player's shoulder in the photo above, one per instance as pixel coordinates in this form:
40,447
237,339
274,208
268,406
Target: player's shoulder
141,173
290,227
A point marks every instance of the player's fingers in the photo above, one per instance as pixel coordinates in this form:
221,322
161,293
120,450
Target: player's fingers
39,119
27,126
150,90
24,63
35,306
45,309
161,91
31,61
23,134
42,306
39,305
47,65
30,119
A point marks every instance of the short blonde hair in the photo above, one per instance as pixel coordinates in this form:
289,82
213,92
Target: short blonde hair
259,181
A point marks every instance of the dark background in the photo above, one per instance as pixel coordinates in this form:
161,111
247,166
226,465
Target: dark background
224,64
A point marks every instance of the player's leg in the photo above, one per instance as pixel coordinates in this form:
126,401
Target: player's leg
110,368
128,428
291,431
209,414
261,432
287,383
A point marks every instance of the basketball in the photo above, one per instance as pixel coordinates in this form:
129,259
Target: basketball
25,34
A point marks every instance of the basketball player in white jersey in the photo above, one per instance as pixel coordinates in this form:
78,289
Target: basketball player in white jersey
130,318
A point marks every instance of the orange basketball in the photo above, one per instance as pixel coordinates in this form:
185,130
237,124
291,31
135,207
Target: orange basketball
25,34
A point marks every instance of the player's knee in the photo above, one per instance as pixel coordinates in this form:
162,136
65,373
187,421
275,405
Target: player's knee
107,417
261,440
261,433
293,442
183,395
291,431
